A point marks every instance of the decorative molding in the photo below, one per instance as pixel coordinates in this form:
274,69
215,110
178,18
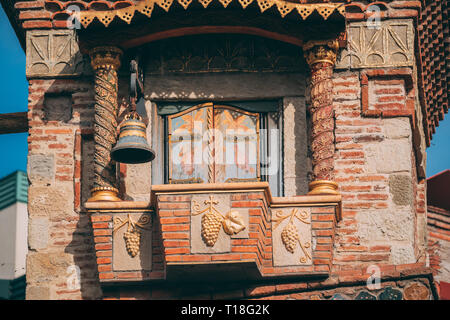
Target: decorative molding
317,51
146,7
224,53
389,44
53,53
105,58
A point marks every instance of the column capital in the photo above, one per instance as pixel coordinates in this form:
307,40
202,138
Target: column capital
321,51
105,57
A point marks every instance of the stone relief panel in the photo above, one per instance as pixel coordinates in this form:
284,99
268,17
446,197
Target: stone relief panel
53,53
132,242
389,44
292,239
214,223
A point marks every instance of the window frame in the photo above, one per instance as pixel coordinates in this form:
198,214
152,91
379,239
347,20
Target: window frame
271,117
215,106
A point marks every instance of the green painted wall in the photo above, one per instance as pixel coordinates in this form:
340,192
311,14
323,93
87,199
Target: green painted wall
13,188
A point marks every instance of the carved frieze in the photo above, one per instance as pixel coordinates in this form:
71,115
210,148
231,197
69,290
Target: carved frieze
292,241
223,53
53,53
379,44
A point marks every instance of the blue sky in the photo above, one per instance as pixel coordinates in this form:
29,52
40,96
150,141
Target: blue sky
14,98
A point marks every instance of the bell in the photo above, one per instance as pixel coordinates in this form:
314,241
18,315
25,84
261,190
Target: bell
132,146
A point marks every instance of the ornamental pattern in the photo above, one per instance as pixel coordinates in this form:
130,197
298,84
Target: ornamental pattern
105,61
146,7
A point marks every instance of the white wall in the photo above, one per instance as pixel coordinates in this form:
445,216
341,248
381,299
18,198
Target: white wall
21,239
13,241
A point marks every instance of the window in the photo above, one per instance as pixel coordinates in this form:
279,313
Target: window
220,143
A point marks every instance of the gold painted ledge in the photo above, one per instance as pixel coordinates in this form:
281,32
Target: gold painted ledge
211,188
310,200
118,206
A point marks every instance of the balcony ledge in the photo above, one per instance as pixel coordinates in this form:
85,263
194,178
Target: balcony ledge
237,226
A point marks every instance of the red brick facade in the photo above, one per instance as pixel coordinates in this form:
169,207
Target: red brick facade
340,251
368,136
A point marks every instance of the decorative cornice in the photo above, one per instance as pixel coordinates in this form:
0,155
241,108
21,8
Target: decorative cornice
146,7
324,51
105,57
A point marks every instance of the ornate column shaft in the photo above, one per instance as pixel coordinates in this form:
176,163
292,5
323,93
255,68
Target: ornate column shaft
321,58
105,62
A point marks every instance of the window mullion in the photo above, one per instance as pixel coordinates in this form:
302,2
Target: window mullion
211,144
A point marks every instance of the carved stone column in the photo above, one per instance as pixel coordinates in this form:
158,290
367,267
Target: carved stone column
105,62
321,58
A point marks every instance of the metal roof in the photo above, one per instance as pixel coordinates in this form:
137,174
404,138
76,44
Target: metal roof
13,188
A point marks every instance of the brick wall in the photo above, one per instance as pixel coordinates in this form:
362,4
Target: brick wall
383,216
60,233
383,202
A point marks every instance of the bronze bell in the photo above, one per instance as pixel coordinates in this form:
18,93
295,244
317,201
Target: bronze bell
132,146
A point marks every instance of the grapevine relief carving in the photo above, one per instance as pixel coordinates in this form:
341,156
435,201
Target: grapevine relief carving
213,221
132,236
292,236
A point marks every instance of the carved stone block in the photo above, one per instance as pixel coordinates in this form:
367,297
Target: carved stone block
386,44
292,240
41,168
132,242
214,223
53,53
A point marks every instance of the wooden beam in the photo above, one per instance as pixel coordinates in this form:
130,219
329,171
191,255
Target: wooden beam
13,122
